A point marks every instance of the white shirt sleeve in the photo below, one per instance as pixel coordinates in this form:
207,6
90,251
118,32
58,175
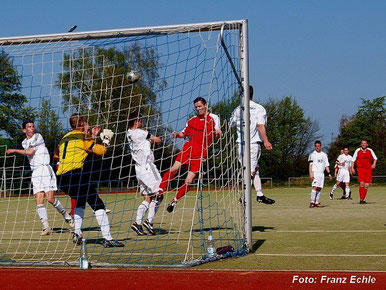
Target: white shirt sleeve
235,117
36,141
216,120
262,116
326,163
373,154
354,158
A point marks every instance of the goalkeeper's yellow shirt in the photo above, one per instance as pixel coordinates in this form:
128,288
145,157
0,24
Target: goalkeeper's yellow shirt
73,150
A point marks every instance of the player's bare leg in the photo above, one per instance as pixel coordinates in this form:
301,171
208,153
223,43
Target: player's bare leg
42,213
50,195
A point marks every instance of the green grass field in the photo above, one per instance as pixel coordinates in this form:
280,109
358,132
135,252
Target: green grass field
342,235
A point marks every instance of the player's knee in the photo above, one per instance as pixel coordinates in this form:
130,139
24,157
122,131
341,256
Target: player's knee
51,199
366,185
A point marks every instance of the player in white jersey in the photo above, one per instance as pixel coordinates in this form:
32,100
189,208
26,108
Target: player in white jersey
258,135
318,162
43,177
147,173
343,162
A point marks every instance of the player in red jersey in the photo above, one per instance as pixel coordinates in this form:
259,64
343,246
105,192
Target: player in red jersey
200,131
365,161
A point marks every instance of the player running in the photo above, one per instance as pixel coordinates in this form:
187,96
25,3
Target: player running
200,131
72,151
344,163
147,173
365,160
318,162
258,135
43,177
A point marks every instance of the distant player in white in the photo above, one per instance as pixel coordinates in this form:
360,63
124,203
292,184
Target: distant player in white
147,173
258,135
318,162
344,163
43,177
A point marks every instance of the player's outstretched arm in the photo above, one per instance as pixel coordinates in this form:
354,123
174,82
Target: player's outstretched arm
28,152
155,139
178,135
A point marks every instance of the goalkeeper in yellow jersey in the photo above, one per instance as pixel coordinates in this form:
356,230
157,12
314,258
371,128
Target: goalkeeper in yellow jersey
72,152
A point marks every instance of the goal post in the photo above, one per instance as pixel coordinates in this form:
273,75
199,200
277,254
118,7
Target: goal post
86,73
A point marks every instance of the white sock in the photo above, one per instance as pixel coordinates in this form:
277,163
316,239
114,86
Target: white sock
78,220
153,208
334,188
317,196
142,209
313,196
104,224
347,190
60,208
257,184
42,212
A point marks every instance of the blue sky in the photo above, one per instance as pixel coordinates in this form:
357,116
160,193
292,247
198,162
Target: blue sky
326,54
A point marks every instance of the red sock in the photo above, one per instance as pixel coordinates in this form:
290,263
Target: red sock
168,175
364,193
182,191
73,205
361,193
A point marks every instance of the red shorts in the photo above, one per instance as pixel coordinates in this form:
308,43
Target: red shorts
191,156
365,175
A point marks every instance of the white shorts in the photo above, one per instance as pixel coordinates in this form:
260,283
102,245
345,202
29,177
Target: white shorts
318,180
343,175
255,156
43,179
148,178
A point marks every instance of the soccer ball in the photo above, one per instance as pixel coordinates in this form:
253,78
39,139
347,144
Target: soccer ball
133,76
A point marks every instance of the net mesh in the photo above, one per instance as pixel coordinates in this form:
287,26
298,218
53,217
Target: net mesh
59,78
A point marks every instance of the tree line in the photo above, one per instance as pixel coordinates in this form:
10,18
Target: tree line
93,83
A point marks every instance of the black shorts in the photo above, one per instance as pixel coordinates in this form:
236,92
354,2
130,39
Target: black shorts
78,185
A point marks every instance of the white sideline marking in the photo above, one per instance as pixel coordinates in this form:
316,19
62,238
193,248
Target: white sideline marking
321,255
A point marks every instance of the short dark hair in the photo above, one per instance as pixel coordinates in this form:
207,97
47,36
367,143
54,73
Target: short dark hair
250,92
76,120
133,117
199,99
24,124
317,142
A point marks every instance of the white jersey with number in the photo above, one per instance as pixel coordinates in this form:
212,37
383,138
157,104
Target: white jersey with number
319,161
258,116
147,173
346,159
41,156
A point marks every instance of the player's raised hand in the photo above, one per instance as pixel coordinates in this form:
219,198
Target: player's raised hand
95,131
106,136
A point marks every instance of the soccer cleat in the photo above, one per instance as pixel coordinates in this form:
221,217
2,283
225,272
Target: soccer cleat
112,244
171,206
138,229
77,239
349,195
70,222
312,204
362,202
318,205
331,195
149,227
343,197
46,232
264,199
108,210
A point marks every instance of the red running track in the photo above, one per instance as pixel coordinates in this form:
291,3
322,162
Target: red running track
68,278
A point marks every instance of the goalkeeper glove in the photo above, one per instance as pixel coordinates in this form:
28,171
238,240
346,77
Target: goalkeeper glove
106,136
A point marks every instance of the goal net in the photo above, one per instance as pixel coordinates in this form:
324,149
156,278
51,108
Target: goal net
48,78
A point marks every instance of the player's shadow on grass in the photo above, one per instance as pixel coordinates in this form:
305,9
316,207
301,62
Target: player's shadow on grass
257,245
211,229
99,241
261,228
61,230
